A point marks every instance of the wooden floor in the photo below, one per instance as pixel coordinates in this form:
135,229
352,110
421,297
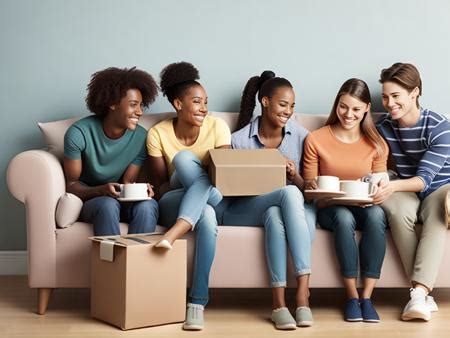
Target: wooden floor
231,313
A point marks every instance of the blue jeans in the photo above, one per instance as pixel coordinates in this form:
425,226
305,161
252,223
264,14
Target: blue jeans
343,221
106,213
287,224
195,204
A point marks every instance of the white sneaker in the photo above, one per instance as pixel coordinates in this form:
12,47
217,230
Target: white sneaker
417,307
432,304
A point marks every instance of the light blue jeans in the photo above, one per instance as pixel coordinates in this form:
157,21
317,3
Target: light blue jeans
288,222
194,203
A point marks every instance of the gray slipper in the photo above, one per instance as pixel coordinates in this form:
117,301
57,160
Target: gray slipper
283,319
303,316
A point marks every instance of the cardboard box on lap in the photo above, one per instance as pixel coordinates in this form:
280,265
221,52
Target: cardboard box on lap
134,284
247,172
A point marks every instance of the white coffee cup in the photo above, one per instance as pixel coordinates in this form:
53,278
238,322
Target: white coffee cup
134,190
358,189
328,183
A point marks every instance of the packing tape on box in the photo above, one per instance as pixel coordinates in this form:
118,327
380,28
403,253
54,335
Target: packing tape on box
107,251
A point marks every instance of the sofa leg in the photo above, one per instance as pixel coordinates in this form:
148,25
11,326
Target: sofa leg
43,298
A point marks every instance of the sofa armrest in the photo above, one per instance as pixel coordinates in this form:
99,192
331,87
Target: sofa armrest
36,179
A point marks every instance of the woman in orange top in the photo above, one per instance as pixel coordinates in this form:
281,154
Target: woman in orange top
349,147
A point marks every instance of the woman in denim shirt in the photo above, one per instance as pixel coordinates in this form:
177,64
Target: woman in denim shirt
287,220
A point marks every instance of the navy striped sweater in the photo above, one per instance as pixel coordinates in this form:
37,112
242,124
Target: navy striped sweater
421,150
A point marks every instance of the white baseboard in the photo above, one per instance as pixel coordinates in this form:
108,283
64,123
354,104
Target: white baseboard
13,263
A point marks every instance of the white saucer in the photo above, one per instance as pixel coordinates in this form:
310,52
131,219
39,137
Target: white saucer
317,193
123,199
353,200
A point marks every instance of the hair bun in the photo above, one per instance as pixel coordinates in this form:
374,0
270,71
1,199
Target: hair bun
176,73
265,75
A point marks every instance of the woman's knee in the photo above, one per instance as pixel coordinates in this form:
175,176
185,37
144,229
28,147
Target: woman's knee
108,205
182,156
336,218
147,208
375,217
292,192
273,219
207,222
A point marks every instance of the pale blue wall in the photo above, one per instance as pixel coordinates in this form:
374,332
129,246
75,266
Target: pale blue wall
48,49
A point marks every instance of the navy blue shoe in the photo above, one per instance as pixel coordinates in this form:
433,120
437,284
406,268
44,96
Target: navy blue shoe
369,313
352,311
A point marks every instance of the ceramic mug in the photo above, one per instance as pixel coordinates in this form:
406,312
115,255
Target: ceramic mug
328,183
358,189
134,190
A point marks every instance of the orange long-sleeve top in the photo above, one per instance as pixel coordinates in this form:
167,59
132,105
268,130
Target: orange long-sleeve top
325,154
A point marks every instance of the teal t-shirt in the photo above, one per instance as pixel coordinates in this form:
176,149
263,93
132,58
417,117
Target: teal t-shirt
104,160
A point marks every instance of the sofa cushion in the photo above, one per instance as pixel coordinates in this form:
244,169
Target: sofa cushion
53,133
68,210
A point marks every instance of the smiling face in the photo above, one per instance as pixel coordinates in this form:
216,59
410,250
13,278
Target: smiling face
279,107
192,107
350,111
127,112
398,101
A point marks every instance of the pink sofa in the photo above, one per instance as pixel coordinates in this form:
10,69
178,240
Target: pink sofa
59,257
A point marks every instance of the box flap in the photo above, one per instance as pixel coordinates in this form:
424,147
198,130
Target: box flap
247,157
129,240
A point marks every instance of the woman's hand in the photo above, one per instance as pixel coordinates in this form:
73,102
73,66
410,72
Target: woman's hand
109,189
150,191
291,172
311,185
385,190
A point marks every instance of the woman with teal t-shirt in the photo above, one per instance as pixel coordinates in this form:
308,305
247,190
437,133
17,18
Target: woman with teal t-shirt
108,148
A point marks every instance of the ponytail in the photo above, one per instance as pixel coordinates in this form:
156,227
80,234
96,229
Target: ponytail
248,100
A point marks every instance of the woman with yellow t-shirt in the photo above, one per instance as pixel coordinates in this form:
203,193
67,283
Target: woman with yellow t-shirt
178,148
349,146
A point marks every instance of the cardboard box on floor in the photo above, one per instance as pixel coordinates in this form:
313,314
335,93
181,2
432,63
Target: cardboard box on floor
134,284
247,172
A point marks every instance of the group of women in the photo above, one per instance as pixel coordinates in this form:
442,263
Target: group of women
109,148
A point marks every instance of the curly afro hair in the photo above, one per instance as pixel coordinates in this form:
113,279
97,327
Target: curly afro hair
176,78
109,86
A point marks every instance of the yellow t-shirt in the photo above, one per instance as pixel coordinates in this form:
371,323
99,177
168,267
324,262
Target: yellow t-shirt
161,140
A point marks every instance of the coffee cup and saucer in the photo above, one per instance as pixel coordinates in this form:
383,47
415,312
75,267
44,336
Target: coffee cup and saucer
356,193
133,192
327,187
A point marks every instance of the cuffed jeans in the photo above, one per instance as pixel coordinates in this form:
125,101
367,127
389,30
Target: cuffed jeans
194,203
343,221
105,213
421,253
282,212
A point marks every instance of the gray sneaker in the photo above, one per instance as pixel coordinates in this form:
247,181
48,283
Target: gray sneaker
283,319
303,316
194,317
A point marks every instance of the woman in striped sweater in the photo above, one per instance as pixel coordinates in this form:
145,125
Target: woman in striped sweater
419,140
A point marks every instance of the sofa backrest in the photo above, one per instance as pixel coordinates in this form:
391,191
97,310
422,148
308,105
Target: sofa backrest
53,132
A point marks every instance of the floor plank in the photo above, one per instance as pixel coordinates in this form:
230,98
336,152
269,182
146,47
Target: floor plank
231,313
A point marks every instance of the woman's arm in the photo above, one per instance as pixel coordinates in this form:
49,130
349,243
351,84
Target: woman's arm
413,184
159,176
72,171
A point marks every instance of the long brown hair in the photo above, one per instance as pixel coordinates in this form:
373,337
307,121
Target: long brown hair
359,90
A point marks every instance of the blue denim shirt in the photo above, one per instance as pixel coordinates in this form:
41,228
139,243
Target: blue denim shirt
291,145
